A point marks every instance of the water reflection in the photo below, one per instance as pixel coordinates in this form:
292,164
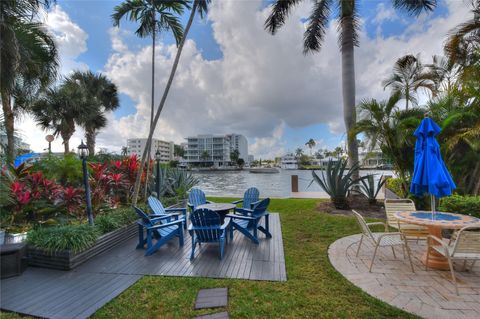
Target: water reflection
272,185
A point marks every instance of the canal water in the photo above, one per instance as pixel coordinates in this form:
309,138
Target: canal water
234,183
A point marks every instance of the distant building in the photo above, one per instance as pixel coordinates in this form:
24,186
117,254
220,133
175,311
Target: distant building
137,146
251,158
372,158
19,143
215,149
324,161
289,161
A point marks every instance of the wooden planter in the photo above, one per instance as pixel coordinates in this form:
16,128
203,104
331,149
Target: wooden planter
66,260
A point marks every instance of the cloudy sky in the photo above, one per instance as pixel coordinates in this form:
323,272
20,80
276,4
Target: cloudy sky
234,76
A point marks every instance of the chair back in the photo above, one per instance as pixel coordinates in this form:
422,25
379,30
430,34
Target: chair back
363,225
468,241
261,207
251,196
143,216
393,206
196,197
206,225
156,206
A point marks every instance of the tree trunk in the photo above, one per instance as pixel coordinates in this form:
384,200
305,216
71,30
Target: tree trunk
9,126
66,135
90,136
162,103
152,107
348,90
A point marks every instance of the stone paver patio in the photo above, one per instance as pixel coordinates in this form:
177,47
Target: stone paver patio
430,294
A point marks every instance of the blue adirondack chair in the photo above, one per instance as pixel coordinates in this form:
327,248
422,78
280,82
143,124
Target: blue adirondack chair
247,220
196,197
157,228
158,211
250,196
205,227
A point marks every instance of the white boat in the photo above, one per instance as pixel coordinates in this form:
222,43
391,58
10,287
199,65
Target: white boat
289,161
264,170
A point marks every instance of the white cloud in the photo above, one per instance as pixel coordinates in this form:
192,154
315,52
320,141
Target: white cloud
71,40
263,83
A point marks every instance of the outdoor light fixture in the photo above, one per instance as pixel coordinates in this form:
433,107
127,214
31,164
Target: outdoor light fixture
83,154
158,155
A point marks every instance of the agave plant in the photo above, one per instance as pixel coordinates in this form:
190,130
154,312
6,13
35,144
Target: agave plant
370,189
336,180
175,183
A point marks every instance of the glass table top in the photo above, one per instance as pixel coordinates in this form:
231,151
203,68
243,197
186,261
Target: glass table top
436,216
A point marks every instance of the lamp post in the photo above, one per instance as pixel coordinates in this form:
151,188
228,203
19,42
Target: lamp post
157,175
83,154
49,138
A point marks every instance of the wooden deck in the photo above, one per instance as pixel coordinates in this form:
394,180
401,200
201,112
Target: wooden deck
79,293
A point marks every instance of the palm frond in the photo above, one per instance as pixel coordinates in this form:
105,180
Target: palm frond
279,13
316,27
415,7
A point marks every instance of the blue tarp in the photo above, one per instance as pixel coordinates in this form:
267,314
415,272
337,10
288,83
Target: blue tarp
430,174
23,158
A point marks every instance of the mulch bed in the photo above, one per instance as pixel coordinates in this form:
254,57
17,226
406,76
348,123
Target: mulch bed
359,204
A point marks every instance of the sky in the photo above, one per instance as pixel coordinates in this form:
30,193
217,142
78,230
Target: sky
233,76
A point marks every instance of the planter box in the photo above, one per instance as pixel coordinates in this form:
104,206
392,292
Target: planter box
66,260
16,238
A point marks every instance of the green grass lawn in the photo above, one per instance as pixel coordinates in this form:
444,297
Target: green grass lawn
313,289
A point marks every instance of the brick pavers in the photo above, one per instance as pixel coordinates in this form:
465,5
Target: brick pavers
429,294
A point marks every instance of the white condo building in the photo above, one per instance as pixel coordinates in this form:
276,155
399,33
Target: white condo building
218,148
137,146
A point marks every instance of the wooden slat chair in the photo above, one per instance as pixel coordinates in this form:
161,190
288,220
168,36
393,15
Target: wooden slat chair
464,245
385,239
196,197
393,206
157,228
247,220
175,213
250,196
205,227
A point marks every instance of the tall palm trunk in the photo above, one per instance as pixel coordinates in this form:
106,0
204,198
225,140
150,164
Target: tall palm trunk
9,126
162,103
152,107
348,89
90,136
407,97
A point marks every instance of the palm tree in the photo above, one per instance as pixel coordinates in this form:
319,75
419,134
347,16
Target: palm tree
408,76
28,60
124,151
204,156
99,96
298,152
392,130
348,38
202,7
311,144
58,109
443,74
464,40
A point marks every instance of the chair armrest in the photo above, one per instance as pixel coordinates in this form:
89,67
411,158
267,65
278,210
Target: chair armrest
237,201
244,211
160,218
177,222
378,223
226,222
233,216
210,202
181,210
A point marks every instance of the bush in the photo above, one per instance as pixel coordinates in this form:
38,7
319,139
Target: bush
396,186
467,205
75,238
107,223
124,216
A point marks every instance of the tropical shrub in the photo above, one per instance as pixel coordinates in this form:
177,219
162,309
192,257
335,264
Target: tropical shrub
106,223
371,189
67,170
174,183
75,238
337,181
468,205
397,185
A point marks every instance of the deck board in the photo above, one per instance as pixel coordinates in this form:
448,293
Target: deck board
81,292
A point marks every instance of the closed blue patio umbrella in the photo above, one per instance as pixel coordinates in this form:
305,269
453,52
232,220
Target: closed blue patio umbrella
430,175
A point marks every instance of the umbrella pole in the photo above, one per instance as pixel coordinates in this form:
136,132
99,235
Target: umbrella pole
432,204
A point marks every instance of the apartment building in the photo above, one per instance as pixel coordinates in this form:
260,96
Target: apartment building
137,146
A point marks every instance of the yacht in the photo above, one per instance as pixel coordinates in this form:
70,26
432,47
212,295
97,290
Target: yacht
289,161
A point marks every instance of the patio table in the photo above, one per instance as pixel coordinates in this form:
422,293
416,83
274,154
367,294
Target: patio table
435,223
221,208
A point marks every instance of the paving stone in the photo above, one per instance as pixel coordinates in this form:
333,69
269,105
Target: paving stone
218,315
212,298
430,294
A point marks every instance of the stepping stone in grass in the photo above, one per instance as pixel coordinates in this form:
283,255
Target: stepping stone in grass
212,298
218,315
